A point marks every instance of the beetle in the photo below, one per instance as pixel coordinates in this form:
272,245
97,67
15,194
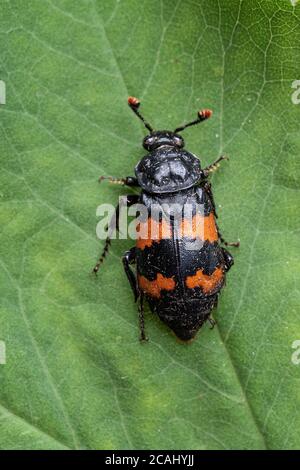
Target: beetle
181,270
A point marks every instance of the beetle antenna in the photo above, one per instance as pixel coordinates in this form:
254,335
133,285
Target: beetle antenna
134,104
202,116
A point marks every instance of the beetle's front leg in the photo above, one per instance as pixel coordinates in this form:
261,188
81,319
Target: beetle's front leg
214,166
128,181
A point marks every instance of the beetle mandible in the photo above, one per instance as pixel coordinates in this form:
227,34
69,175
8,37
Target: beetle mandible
180,281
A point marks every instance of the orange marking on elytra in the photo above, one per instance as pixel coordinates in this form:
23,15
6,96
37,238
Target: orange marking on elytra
203,227
152,231
153,288
206,282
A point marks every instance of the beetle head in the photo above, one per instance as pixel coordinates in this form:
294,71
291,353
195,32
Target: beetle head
168,167
160,138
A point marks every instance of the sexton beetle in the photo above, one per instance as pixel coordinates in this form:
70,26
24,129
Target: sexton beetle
181,284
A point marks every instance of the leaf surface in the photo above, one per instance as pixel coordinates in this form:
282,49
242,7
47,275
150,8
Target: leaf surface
76,375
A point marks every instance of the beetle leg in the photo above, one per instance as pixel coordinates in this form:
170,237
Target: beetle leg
214,166
207,188
128,181
212,322
236,244
228,258
143,336
210,319
128,201
103,255
222,240
129,258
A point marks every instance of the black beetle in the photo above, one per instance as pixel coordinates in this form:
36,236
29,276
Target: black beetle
180,280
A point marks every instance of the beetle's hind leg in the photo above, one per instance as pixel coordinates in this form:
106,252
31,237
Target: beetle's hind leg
210,318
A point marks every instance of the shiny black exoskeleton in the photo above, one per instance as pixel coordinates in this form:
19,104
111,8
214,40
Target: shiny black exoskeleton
180,263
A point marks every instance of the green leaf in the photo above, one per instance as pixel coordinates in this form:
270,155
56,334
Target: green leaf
76,375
